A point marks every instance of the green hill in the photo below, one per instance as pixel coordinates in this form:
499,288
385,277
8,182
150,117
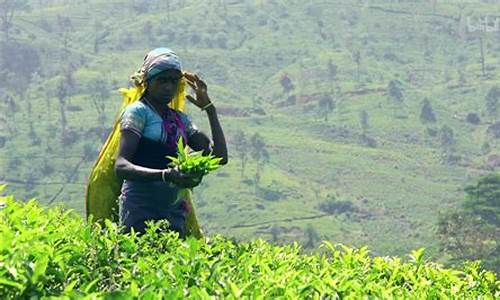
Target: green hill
52,252
335,89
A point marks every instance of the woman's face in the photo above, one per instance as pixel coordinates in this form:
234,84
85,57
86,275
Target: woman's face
163,86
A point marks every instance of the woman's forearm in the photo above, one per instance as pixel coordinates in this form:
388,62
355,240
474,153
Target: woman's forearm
219,148
127,170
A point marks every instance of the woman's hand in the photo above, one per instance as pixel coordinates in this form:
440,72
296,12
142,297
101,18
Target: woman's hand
200,89
181,179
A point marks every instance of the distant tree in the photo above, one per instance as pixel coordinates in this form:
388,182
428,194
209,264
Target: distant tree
18,62
62,92
291,100
260,154
356,57
326,106
147,30
332,70
333,206
368,141
448,143
286,83
69,81
168,3
99,95
8,9
395,92
427,113
101,32
275,232
14,163
472,231
485,148
428,56
312,236
482,60
140,6
65,27
493,102
461,79
30,181
484,199
46,168
89,152
494,130
446,137
34,138
242,148
473,118
363,120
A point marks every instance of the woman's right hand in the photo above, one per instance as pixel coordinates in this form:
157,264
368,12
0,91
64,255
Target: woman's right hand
181,179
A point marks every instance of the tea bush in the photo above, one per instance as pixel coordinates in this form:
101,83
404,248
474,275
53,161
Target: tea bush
47,252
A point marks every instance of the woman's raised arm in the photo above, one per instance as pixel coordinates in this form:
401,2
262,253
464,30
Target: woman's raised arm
200,141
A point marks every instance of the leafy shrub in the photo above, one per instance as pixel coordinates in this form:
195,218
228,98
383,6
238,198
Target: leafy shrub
53,252
427,113
494,130
337,206
473,118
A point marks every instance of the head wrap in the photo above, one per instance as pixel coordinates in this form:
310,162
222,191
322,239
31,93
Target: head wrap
155,62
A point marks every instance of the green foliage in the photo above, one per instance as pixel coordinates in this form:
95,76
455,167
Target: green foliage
427,113
259,153
483,198
326,105
472,232
493,101
194,162
447,138
53,252
395,91
242,147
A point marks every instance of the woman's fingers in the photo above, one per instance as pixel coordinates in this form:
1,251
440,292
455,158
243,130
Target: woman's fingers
196,86
194,79
191,84
192,100
189,75
187,180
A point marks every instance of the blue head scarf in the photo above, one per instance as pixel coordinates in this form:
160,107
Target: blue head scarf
155,62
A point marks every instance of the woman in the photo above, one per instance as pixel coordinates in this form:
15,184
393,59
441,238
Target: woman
149,132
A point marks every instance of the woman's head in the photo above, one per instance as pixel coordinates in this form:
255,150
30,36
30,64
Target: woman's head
160,73
163,86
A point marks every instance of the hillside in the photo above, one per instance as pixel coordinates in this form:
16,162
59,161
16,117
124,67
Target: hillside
335,89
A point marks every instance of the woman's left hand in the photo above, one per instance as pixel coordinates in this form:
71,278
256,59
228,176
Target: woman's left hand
200,89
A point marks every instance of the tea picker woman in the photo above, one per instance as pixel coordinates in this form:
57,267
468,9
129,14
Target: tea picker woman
150,130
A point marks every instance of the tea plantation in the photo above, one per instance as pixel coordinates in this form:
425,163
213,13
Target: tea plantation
53,252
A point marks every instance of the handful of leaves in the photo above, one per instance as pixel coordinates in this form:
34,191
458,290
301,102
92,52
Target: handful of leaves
194,162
